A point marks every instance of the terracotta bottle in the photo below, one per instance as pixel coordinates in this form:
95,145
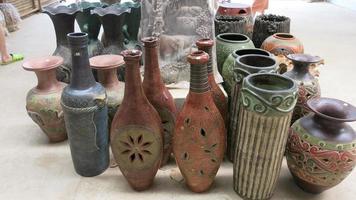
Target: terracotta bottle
158,95
43,101
218,95
199,138
136,137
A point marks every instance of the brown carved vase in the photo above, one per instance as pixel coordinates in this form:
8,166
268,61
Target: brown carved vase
321,148
199,138
282,44
106,66
158,95
43,101
218,95
308,85
136,134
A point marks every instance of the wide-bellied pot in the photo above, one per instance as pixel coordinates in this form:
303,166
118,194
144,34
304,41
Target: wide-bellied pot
63,21
158,95
43,101
226,43
282,44
85,112
106,66
308,84
199,137
321,148
267,25
264,117
136,133
245,65
90,24
219,98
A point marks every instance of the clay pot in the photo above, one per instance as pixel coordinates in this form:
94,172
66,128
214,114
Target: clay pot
85,112
199,138
268,101
245,65
43,101
219,98
267,25
321,148
282,44
136,134
107,66
158,95
308,85
226,43
63,21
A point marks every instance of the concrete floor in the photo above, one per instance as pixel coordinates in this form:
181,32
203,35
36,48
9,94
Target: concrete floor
31,168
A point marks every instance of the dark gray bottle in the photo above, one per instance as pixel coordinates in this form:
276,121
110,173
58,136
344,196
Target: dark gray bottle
85,113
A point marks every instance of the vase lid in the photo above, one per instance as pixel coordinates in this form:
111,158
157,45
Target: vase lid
305,58
42,63
333,109
109,61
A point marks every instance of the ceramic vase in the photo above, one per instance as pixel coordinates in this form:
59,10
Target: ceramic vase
136,133
267,105
321,148
106,66
230,24
43,101
85,112
219,98
245,65
132,25
267,25
282,44
226,43
63,21
199,138
308,84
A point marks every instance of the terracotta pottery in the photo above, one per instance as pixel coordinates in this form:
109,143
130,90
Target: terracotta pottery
245,65
63,21
267,25
136,133
282,44
264,117
226,43
85,112
107,66
199,138
308,84
321,148
219,98
158,95
43,101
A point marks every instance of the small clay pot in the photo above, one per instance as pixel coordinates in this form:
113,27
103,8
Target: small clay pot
199,138
321,148
43,101
282,44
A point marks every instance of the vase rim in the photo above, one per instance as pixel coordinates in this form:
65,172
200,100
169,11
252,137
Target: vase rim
235,5
290,85
251,51
198,57
109,61
284,36
305,58
277,18
240,61
62,9
150,41
42,63
131,55
110,10
239,38
332,109
87,5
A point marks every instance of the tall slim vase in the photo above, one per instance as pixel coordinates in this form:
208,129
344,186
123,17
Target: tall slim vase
267,105
85,113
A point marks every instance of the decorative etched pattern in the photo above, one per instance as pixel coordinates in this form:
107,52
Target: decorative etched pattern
318,162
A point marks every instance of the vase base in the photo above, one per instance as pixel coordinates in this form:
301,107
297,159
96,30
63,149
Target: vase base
308,187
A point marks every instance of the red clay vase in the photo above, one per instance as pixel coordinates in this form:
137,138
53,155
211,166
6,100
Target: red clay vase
219,98
158,95
43,101
136,134
199,138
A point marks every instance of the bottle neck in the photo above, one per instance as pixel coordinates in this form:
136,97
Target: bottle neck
331,124
301,67
152,75
133,85
209,51
113,29
47,80
63,24
108,78
199,78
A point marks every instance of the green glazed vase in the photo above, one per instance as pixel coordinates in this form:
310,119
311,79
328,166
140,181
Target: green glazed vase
268,101
226,43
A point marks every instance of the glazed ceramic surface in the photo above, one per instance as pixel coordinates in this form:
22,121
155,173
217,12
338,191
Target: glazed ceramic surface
136,133
43,101
158,95
199,138
282,44
267,105
227,43
85,113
